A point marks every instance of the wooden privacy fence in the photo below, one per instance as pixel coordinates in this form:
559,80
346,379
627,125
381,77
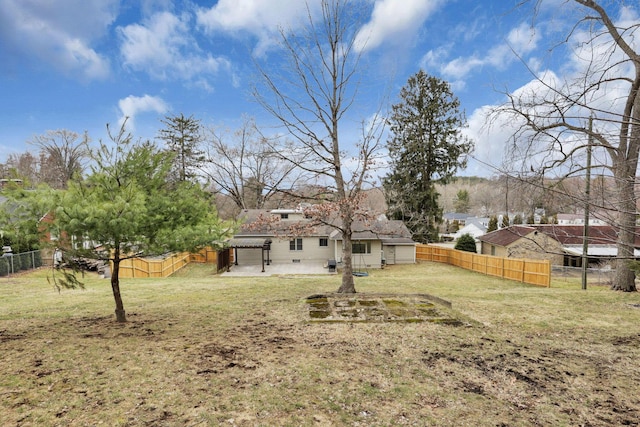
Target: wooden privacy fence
164,267
530,271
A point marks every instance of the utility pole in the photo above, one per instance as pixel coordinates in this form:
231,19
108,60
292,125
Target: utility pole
585,234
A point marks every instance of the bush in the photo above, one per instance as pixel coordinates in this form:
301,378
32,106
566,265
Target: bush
37,257
26,261
4,266
466,243
15,260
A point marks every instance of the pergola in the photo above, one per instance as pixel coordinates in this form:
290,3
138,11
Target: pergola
263,244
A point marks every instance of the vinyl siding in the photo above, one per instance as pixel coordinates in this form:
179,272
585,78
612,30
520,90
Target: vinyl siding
281,253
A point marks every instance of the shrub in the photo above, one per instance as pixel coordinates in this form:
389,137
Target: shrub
26,261
467,243
37,259
4,266
14,261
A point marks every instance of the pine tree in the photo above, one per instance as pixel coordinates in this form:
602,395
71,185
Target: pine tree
426,147
493,224
183,137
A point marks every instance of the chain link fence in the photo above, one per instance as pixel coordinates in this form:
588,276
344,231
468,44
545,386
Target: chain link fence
14,263
595,275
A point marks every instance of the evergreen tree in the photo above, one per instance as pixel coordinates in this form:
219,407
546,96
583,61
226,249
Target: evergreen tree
182,136
493,224
127,206
426,147
466,243
462,202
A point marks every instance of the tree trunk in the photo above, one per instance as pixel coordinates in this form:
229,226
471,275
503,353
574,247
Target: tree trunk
115,287
348,285
624,279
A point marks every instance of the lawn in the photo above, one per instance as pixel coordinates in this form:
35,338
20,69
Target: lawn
205,350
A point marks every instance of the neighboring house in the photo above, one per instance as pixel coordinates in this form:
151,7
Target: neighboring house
4,182
451,217
577,219
265,237
474,226
562,244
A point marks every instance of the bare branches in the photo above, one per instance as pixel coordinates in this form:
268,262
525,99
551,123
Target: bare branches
311,96
553,114
63,154
244,165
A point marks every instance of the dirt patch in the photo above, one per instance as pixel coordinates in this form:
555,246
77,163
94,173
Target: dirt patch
408,308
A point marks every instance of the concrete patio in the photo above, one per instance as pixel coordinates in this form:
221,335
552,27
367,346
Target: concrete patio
278,269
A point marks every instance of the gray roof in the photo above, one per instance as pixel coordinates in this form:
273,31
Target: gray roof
256,224
246,243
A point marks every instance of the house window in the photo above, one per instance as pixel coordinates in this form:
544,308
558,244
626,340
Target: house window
361,247
324,241
493,250
295,244
284,216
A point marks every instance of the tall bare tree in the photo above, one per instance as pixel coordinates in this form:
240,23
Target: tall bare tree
63,154
598,106
311,95
243,165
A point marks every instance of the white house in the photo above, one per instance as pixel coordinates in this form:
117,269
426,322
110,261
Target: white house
474,226
286,236
578,219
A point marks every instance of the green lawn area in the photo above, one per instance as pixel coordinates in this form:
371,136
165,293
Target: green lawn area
206,350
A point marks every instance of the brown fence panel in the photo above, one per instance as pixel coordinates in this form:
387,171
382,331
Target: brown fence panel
224,259
514,269
144,267
494,266
479,263
205,256
538,272
533,272
424,252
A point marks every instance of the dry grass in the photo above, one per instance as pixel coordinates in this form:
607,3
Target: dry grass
203,350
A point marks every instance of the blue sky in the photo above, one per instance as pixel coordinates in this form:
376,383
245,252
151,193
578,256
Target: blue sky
79,64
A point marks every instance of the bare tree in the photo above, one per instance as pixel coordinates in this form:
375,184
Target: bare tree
63,154
24,166
598,106
311,95
243,165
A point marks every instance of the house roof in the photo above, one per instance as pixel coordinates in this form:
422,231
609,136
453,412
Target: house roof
393,231
397,241
455,216
506,236
596,250
566,235
247,243
261,223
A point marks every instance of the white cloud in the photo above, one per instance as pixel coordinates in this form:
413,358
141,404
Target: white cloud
132,105
163,47
262,19
523,39
490,143
394,19
60,33
390,20
519,42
